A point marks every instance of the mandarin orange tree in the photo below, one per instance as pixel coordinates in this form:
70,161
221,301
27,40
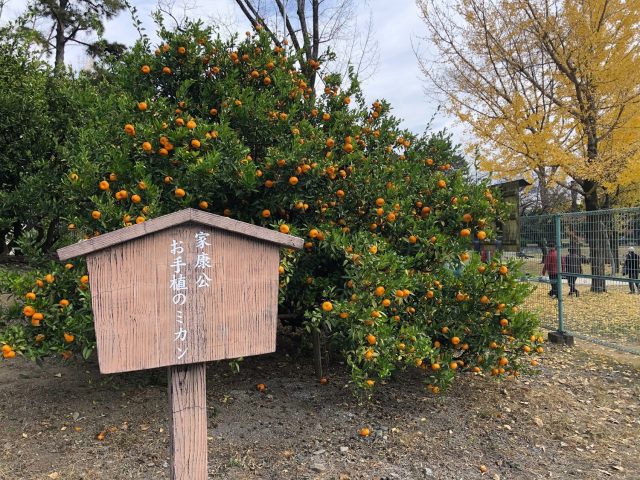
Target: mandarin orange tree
231,127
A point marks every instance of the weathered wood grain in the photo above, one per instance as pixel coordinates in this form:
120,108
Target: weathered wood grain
185,216
188,421
136,321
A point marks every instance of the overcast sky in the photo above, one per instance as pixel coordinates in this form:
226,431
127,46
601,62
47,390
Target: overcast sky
396,23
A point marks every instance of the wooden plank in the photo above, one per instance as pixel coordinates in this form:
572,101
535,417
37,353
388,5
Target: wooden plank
188,421
139,326
189,215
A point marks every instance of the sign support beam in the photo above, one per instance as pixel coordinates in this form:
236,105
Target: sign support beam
188,421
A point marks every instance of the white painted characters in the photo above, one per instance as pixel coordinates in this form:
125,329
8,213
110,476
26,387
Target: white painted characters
180,282
203,261
178,288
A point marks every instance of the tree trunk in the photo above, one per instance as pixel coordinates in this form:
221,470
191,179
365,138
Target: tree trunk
596,236
3,240
61,40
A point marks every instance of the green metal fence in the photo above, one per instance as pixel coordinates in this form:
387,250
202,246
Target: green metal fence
585,267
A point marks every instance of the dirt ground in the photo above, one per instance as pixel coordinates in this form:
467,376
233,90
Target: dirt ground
578,418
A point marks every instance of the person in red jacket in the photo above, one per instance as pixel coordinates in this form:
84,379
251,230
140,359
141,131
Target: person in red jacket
550,266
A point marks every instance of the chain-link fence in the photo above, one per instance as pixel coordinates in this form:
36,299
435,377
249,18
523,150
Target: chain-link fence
585,267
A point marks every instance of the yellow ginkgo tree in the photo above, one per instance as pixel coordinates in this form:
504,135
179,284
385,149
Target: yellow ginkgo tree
549,88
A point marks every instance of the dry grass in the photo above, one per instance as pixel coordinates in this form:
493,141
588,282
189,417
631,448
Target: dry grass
612,317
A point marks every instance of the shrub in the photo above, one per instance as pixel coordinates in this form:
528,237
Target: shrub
231,127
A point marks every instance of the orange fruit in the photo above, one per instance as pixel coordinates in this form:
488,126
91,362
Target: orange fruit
379,291
379,202
413,239
484,299
467,217
435,367
455,340
68,337
96,215
370,383
30,296
330,142
261,387
195,143
465,232
64,302
84,279
146,146
293,180
324,381
371,339
10,354
182,50
327,306
179,192
481,235
373,249
364,432
503,270
104,185
166,70
145,69
266,213
284,228
369,354
37,316
142,106
203,205
191,124
6,348
442,183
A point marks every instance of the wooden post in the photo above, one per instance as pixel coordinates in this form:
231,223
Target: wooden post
317,353
188,421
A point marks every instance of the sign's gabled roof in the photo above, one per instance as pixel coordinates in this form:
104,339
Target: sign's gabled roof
188,215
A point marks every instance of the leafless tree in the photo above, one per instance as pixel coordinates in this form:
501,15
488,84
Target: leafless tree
319,28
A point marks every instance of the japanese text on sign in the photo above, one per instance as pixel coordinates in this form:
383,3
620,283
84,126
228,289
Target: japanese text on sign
178,283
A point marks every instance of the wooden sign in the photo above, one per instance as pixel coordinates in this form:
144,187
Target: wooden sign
180,290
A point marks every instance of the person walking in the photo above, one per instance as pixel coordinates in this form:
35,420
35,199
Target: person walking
573,264
630,268
550,266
